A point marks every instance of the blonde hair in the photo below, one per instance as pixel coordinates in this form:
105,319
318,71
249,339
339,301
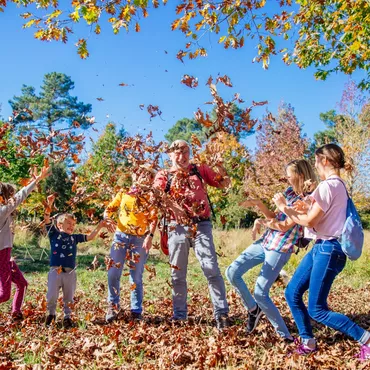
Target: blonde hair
305,180
63,216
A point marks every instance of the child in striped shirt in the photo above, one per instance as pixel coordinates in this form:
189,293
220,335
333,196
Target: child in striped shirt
272,250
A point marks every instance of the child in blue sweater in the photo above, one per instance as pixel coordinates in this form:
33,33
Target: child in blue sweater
63,250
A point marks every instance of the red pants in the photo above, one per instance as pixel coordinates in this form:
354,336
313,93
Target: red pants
9,272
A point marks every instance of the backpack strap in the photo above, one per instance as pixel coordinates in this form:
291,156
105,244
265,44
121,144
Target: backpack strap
344,184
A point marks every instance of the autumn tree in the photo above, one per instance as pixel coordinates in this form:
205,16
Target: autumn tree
53,110
352,133
330,35
279,140
184,128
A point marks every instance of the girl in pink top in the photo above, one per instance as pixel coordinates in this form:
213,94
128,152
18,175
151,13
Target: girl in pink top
318,269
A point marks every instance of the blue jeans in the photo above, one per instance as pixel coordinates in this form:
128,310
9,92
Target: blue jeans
121,244
272,262
316,273
179,244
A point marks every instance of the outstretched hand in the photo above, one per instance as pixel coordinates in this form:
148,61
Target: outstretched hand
109,224
50,199
45,172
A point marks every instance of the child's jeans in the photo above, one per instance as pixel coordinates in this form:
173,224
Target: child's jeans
65,280
316,273
272,262
133,246
9,272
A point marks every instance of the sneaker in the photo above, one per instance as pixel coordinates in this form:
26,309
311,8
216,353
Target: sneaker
253,318
67,323
135,316
222,322
303,349
50,319
364,353
289,340
111,314
17,316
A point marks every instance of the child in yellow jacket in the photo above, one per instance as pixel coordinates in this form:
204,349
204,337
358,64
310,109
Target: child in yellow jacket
137,220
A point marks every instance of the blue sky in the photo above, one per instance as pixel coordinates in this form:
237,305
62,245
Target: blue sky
140,60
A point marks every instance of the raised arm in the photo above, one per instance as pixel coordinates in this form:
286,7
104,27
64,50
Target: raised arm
260,205
49,206
94,233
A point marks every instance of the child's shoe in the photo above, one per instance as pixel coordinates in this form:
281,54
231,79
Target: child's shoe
306,347
67,323
364,353
17,316
111,314
222,322
253,318
50,319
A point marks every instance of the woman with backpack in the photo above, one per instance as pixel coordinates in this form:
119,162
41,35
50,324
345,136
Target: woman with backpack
326,216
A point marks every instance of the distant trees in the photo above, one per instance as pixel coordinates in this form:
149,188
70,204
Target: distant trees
53,110
279,140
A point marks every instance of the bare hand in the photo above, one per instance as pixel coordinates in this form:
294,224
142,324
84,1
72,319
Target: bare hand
279,200
147,243
45,172
256,228
302,205
50,199
109,224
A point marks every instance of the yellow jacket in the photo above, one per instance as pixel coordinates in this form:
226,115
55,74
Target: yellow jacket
135,213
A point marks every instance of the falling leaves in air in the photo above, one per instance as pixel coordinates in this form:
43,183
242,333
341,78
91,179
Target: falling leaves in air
189,81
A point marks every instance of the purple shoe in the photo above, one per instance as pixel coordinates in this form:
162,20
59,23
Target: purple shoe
302,349
364,353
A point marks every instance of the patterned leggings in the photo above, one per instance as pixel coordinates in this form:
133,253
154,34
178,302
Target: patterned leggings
9,272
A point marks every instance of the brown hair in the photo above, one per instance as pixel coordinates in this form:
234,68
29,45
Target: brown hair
334,154
306,180
7,191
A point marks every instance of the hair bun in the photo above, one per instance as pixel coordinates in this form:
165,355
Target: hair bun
348,167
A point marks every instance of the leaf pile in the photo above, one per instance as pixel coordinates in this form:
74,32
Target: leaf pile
156,343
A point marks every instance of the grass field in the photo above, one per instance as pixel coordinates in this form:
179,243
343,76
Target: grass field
155,343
